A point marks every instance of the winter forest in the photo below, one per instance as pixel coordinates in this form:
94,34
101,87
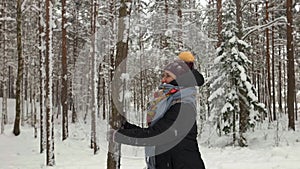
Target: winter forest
73,69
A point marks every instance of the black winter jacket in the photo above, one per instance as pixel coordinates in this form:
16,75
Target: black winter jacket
177,148
174,135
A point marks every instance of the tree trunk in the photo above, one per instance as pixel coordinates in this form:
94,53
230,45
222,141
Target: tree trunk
34,112
290,66
4,73
268,84
103,98
42,82
180,31
219,18
75,56
50,161
244,113
280,82
64,76
142,97
116,119
16,129
94,107
273,71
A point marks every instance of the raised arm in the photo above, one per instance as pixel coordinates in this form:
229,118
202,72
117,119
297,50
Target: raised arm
174,125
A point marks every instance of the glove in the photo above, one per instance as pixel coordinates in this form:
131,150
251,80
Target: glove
110,135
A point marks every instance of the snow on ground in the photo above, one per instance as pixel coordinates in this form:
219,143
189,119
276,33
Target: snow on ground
22,152
267,149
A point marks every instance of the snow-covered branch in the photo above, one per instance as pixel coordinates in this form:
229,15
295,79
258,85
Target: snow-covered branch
7,19
259,27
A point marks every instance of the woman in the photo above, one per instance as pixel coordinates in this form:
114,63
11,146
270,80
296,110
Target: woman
170,138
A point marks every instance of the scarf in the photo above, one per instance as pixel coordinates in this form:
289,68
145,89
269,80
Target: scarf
162,101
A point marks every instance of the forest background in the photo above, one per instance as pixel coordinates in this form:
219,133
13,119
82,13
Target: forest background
68,62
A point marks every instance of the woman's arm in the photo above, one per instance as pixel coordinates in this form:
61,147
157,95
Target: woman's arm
128,125
167,129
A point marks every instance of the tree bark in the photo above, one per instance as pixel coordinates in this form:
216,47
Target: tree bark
116,119
50,161
42,82
219,18
4,72
291,66
280,82
244,113
64,76
268,84
94,107
180,31
273,71
16,129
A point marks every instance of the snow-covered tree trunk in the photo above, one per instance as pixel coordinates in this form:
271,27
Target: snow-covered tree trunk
180,24
50,161
273,70
24,105
116,119
163,37
4,74
94,107
16,129
42,78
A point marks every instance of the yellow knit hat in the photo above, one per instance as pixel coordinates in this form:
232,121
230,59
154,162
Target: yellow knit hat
186,56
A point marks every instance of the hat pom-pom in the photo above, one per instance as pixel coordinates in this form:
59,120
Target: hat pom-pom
186,56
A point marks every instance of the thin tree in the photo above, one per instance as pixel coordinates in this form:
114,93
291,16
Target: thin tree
64,75
50,161
268,84
4,72
180,23
42,79
75,56
219,20
280,108
94,106
16,129
290,66
273,70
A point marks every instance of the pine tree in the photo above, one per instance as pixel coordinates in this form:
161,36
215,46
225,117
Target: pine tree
233,94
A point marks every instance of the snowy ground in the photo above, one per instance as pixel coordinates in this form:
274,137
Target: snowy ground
22,152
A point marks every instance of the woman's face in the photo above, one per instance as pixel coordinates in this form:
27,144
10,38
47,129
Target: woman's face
167,77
